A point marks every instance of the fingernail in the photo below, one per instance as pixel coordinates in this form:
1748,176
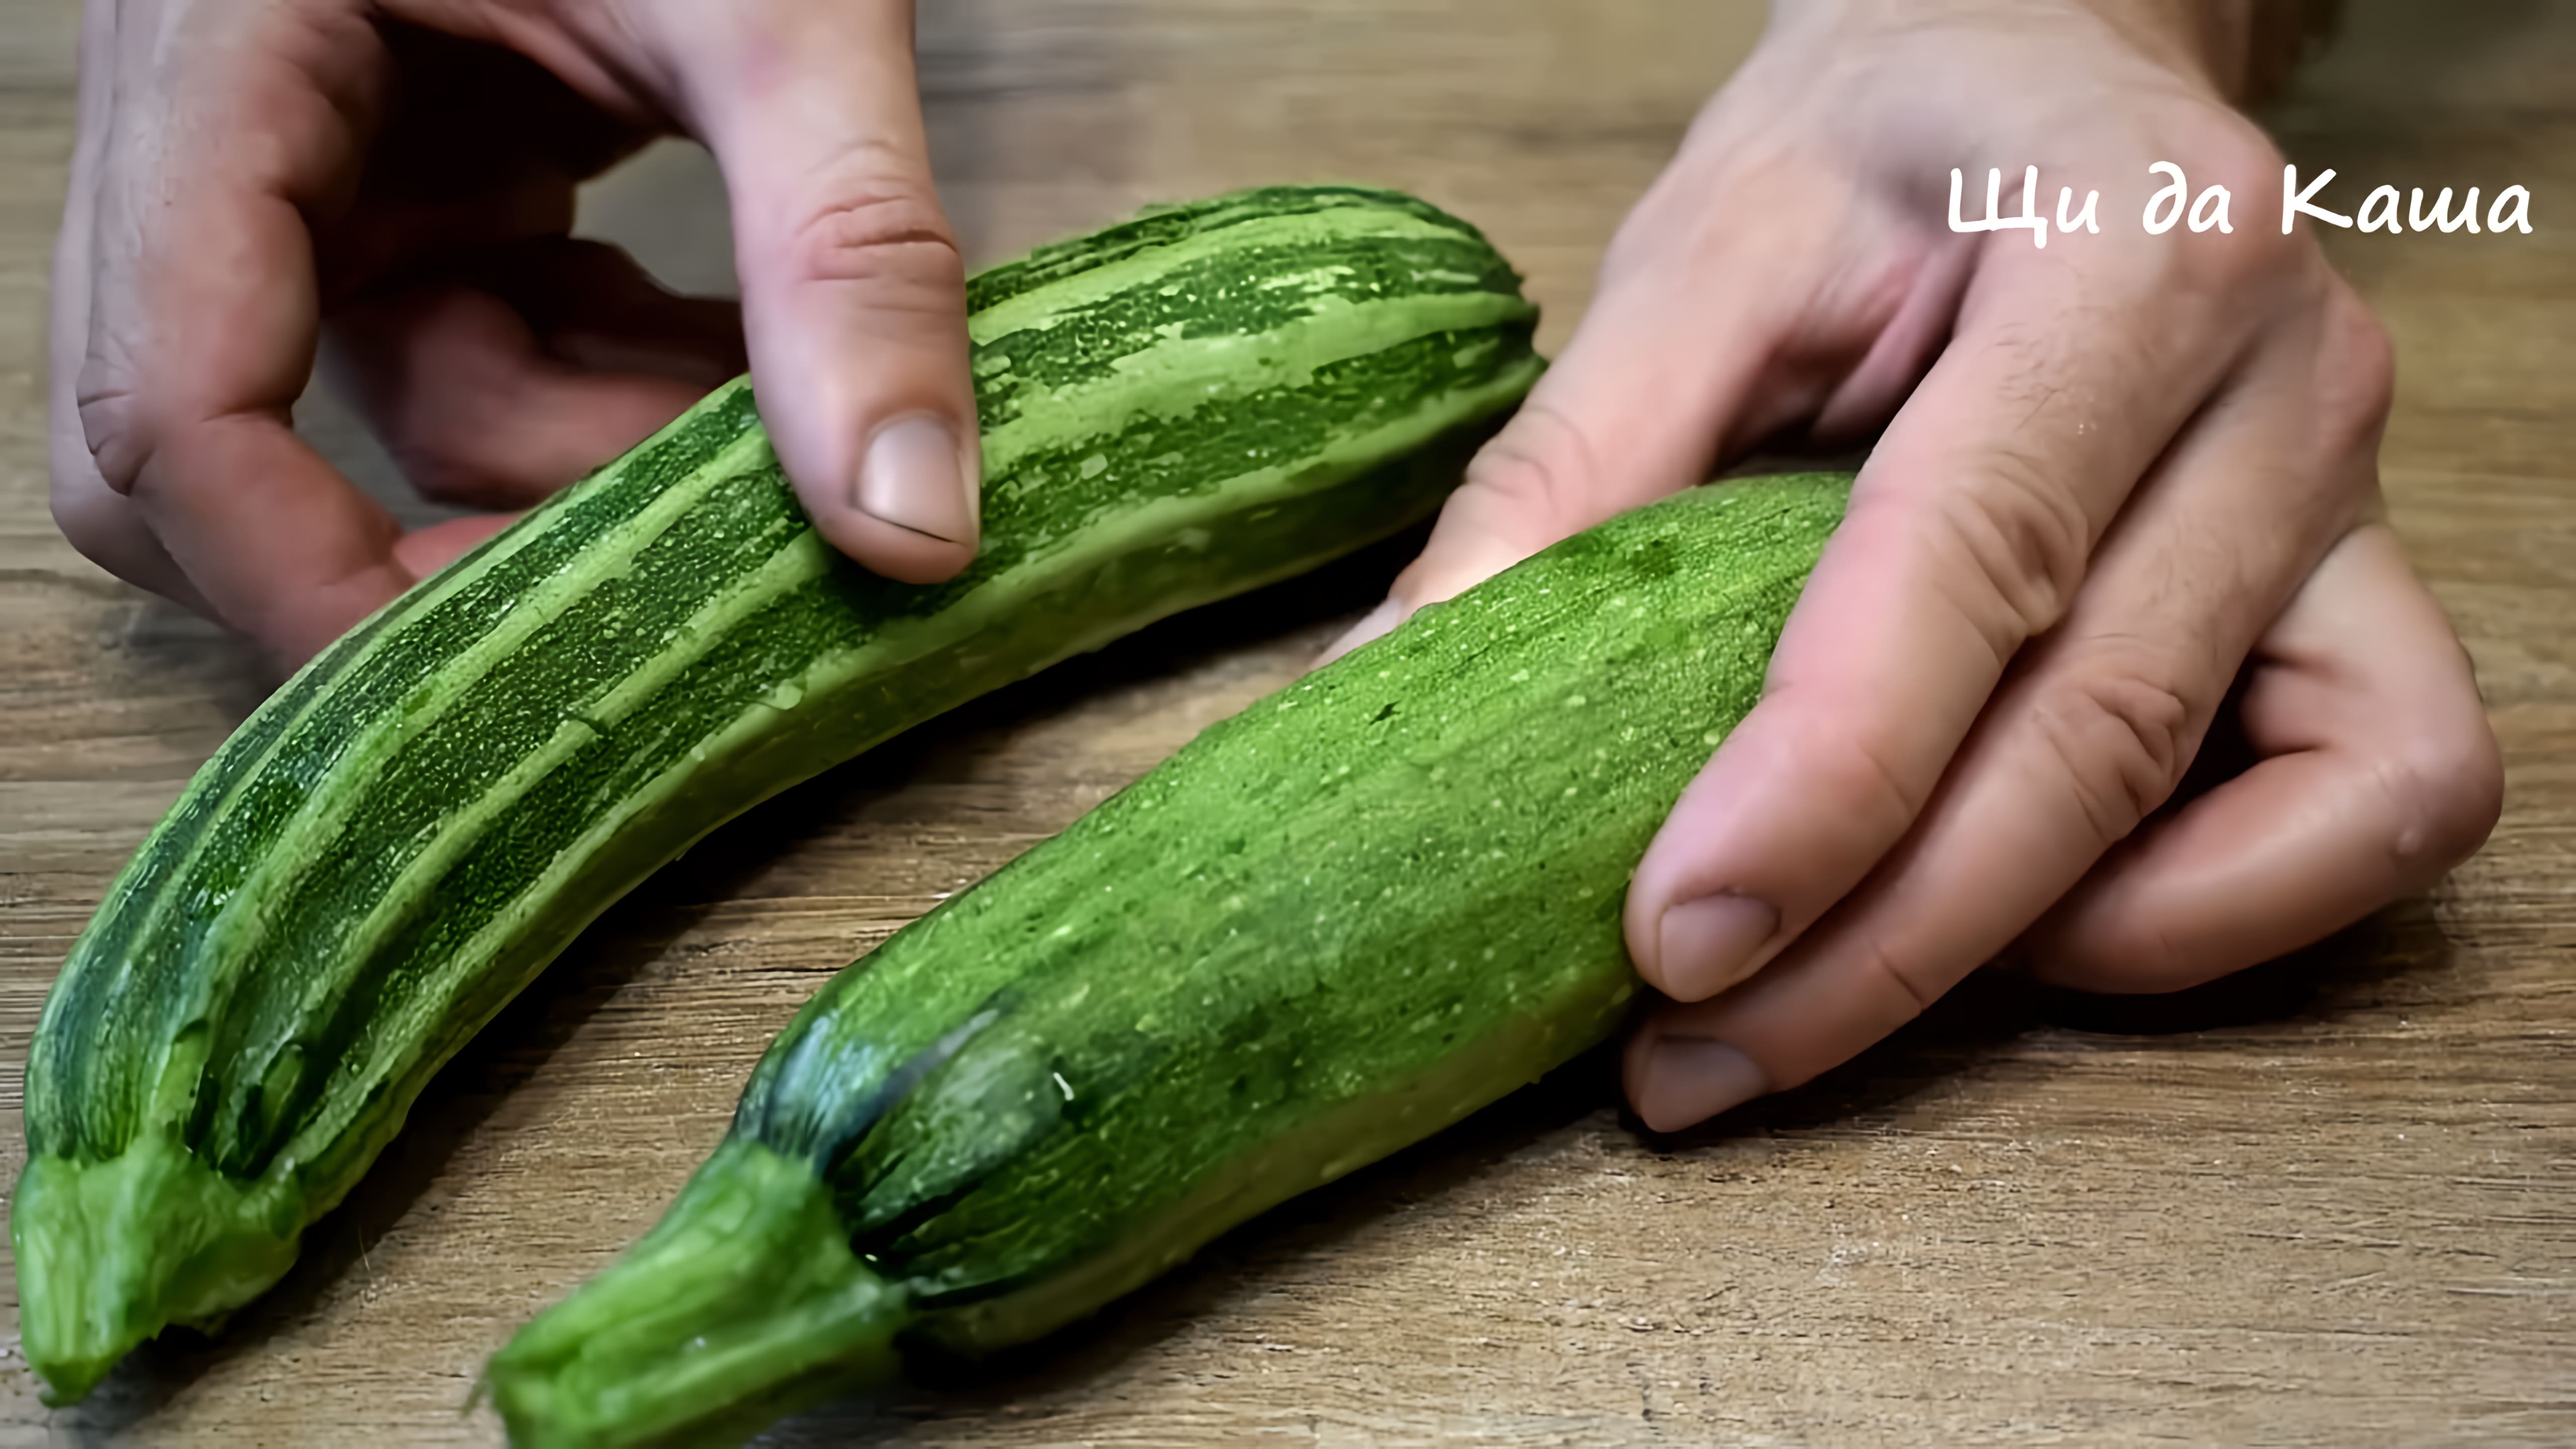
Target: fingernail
1380,620
1689,1079
911,478
1707,945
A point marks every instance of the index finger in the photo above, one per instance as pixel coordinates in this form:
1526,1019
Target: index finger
204,317
1968,533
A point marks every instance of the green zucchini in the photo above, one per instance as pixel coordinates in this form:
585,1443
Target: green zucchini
1182,407
1328,927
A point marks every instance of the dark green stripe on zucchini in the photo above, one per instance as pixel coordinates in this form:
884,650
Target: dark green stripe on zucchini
1325,929
393,845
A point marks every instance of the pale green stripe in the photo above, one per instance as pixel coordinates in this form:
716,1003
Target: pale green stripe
1054,302
241,924
437,589
1141,386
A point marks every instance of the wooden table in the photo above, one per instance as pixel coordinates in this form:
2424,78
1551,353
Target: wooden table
2331,1204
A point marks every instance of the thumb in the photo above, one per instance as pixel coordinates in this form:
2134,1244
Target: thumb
1635,409
853,288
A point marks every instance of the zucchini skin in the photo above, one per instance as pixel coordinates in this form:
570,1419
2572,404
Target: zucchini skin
1177,409
1330,926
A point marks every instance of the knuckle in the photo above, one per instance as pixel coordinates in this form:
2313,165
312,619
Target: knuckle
2218,146
1540,465
1530,487
2020,542
874,230
2121,734
1665,229
1855,771
2357,375
91,519
2225,146
2448,793
436,452
1908,980
117,425
452,459
2265,260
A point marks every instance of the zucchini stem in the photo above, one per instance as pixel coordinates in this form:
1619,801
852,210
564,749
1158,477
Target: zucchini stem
744,1303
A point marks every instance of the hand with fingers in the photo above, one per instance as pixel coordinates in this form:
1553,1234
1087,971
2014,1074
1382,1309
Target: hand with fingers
254,177
2120,485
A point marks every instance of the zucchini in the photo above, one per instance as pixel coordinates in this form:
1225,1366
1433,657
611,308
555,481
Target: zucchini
1182,407
1328,927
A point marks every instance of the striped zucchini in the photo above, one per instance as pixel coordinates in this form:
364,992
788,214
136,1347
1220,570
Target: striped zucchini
1176,409
1328,927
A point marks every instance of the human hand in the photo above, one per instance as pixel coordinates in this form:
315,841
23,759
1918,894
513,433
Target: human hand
253,174
2119,478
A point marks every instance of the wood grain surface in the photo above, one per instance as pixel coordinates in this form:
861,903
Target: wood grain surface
2330,1203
